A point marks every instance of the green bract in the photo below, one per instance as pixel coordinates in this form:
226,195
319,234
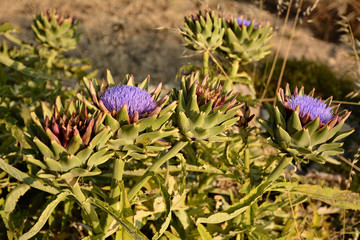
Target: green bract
203,31
55,31
138,136
304,138
69,141
245,43
203,111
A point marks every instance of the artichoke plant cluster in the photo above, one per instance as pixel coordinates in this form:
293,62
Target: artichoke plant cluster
245,41
55,30
183,164
136,117
203,31
305,127
203,110
238,39
70,141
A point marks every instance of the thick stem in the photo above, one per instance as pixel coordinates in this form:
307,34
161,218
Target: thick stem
247,160
234,68
89,209
156,165
115,191
205,63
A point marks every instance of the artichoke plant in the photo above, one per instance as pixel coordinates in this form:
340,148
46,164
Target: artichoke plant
203,110
69,141
203,31
244,40
136,117
305,127
55,31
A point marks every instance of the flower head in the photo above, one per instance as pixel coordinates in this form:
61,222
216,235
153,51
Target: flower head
136,100
244,22
305,127
312,106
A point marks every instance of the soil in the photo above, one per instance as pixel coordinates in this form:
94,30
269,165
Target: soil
142,38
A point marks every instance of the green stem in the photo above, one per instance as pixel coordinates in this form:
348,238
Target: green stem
89,209
156,165
275,174
247,159
234,68
205,63
233,72
115,191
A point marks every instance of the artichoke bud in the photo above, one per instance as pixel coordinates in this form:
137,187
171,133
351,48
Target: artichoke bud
203,110
137,118
245,116
245,40
55,31
203,31
306,127
69,141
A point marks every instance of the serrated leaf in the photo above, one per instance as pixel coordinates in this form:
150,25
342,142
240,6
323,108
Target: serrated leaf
45,215
335,197
13,197
135,233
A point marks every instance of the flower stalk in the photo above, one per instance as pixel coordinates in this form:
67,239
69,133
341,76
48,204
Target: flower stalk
156,165
88,208
205,63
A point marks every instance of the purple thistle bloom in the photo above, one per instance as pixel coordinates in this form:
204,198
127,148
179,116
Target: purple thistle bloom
246,22
137,100
315,107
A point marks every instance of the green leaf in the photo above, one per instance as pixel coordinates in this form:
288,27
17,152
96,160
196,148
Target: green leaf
70,162
294,123
332,196
313,125
342,134
204,234
319,136
45,150
5,28
99,157
45,215
120,219
20,67
13,197
282,135
301,138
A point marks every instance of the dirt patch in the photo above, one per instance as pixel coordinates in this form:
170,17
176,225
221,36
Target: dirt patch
140,37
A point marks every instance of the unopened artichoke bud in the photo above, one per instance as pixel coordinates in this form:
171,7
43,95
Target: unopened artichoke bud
203,31
245,116
203,110
55,31
69,141
306,127
137,117
245,40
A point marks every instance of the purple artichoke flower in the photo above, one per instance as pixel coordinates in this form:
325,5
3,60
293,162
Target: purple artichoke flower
242,21
312,106
136,100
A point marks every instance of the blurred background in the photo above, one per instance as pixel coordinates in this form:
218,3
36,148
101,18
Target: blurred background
142,38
